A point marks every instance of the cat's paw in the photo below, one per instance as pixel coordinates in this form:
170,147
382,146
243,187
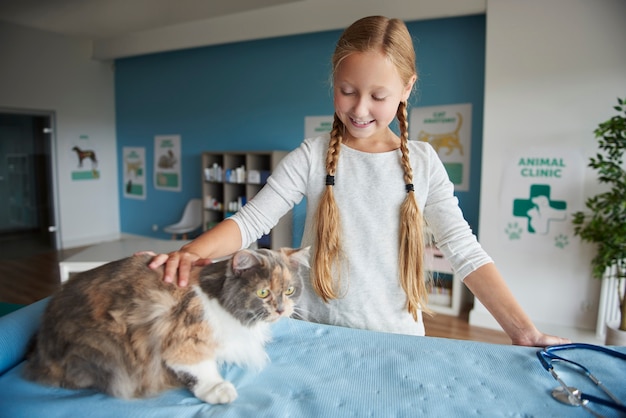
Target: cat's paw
223,392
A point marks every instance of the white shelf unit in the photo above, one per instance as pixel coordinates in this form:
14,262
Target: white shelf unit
248,173
445,290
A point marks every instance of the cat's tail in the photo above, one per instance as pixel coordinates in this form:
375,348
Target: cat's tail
37,369
84,368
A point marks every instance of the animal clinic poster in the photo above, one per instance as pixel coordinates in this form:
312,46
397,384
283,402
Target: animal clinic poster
449,130
167,171
134,172
541,188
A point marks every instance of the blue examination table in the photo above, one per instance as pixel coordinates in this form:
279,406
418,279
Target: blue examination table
325,371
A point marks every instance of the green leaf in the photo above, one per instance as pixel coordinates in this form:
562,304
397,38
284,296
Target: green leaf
605,222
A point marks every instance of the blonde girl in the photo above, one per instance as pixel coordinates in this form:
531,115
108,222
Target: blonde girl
369,192
388,38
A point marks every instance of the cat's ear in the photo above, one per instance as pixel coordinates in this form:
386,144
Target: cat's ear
243,260
298,256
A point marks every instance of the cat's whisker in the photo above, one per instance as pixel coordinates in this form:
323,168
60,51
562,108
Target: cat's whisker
296,315
258,316
299,312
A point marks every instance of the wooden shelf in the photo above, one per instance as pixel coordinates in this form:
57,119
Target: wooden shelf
231,179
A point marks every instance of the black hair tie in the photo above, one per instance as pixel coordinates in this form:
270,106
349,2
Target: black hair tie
409,187
330,180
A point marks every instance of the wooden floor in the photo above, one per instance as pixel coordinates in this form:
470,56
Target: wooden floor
27,279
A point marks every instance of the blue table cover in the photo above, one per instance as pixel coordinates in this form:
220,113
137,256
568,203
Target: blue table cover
325,371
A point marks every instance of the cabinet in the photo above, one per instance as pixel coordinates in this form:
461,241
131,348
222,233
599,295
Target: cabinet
230,179
446,293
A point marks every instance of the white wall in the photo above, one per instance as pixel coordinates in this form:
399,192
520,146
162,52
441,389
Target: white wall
44,71
554,70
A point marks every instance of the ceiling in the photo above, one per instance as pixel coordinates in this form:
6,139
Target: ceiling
123,28
101,19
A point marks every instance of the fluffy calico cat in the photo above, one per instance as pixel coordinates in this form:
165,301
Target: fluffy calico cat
122,330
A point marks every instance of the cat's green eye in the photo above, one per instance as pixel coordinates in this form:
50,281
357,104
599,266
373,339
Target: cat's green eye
263,293
290,290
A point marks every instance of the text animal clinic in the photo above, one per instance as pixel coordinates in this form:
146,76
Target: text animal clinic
541,167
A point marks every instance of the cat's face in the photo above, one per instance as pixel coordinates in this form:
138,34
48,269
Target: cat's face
265,285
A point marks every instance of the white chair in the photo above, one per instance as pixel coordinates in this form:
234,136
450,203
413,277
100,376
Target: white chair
191,220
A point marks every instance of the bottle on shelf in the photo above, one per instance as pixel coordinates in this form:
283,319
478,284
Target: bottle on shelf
230,179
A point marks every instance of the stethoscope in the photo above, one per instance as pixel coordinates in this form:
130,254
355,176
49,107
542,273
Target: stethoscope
571,395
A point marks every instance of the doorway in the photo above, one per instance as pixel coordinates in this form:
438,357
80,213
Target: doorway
27,212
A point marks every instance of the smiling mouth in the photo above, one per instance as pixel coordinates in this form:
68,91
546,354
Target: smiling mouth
361,123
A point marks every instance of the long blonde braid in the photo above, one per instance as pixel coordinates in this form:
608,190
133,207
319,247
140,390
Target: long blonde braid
411,255
328,249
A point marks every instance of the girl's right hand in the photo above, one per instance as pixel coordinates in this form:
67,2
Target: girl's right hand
178,265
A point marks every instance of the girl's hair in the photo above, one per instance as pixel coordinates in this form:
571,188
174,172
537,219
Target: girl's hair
392,38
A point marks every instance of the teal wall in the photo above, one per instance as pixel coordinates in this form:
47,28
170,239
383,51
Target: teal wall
255,95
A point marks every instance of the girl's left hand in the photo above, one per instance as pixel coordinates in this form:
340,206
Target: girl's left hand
539,339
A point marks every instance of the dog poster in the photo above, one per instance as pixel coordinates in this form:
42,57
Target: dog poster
167,170
85,158
449,130
134,163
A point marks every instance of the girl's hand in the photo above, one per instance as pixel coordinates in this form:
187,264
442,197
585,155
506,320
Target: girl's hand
178,265
539,339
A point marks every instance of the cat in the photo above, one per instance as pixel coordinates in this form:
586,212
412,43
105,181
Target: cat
122,330
448,140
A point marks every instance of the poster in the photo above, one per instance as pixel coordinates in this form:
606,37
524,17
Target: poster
134,177
449,130
314,126
167,170
85,156
541,188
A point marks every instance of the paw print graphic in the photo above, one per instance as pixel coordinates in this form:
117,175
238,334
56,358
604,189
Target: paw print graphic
513,230
561,241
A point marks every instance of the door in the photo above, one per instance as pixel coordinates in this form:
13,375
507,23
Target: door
27,215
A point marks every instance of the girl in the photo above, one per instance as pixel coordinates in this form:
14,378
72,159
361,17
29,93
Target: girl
369,192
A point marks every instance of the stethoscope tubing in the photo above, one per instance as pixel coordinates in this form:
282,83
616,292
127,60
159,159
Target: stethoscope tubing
547,355
602,401
561,347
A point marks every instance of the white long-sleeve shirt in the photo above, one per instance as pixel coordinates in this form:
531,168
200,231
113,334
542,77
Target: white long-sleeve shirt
369,189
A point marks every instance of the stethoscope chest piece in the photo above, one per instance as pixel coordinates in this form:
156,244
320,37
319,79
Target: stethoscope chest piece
572,398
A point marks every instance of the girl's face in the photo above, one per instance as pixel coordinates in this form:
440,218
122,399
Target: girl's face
367,92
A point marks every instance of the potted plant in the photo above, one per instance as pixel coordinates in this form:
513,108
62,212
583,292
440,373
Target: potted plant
604,224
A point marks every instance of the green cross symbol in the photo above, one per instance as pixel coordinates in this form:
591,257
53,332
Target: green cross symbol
539,209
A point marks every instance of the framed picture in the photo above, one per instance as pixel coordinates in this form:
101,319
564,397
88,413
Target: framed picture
167,170
134,177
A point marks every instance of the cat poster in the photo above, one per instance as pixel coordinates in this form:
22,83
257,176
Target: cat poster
167,170
134,172
449,130
541,188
